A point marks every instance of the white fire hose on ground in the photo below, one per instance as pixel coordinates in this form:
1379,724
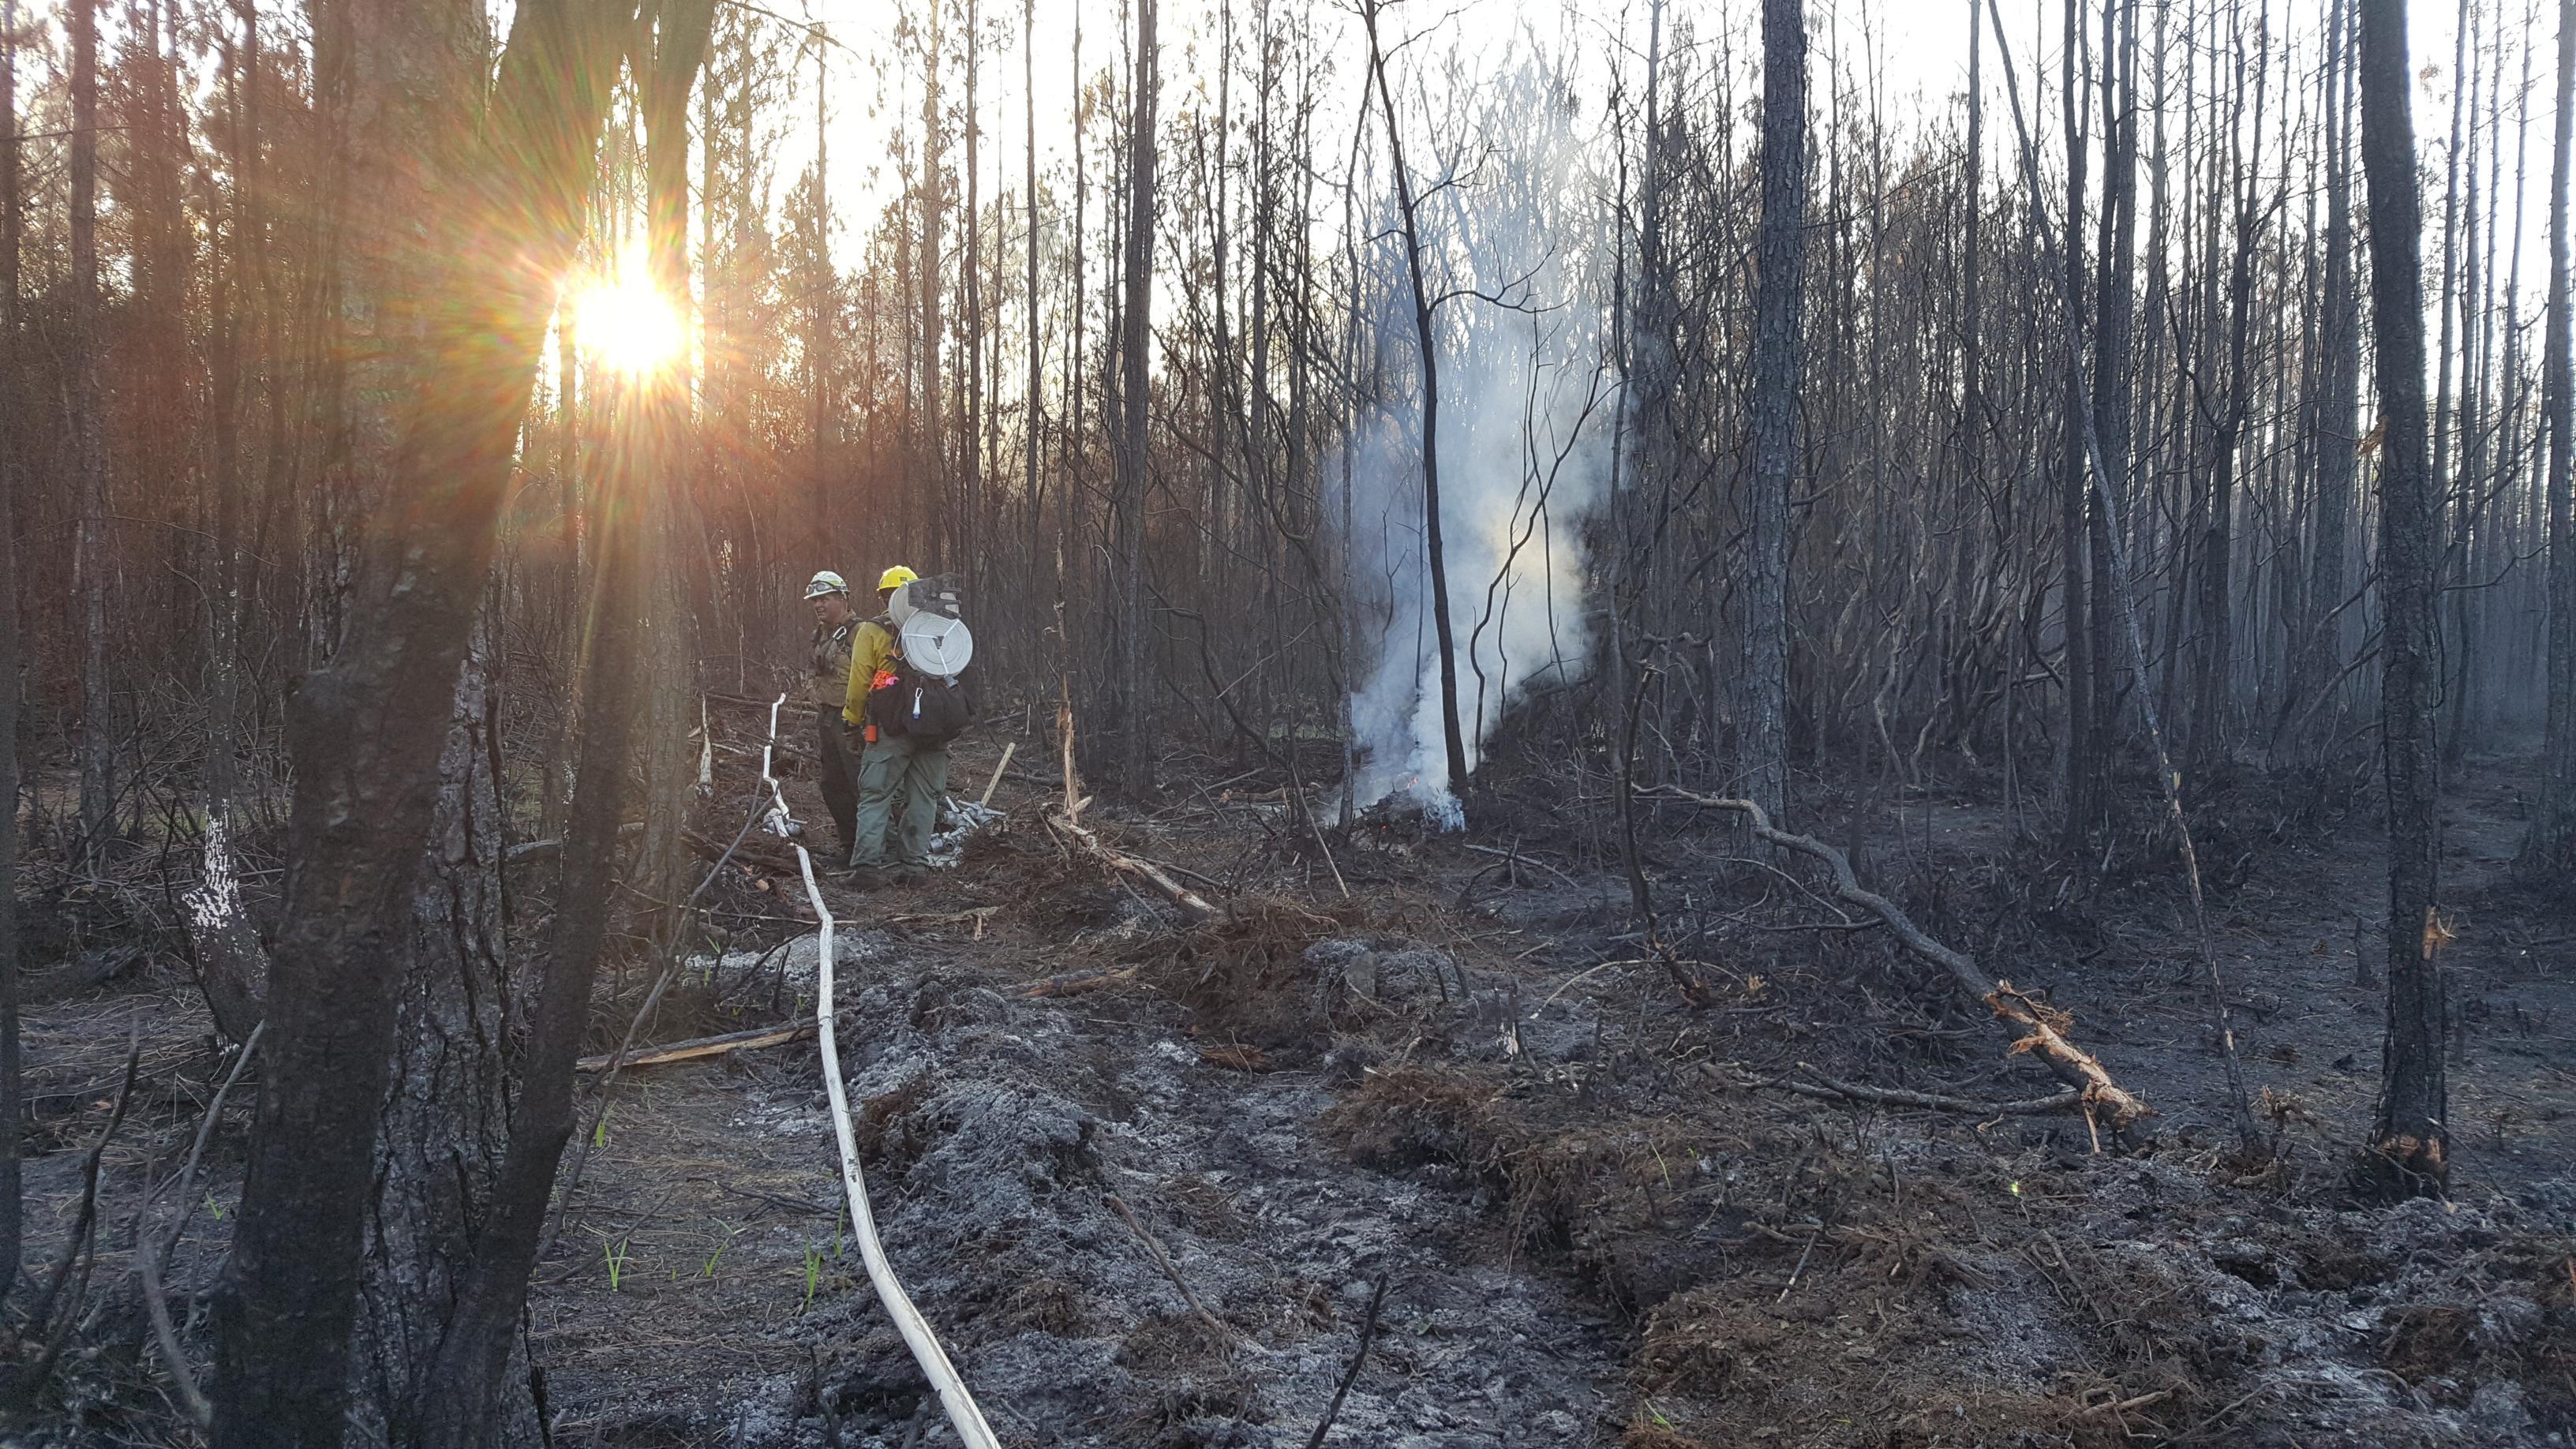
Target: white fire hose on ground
943,1376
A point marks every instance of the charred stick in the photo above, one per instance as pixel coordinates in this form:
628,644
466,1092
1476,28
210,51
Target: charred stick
1350,1375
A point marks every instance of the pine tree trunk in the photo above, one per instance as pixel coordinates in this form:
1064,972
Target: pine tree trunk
2318,660
1135,464
2080,768
2408,1138
444,1123
2549,849
89,456
12,1224
1778,310
231,965
931,477
501,178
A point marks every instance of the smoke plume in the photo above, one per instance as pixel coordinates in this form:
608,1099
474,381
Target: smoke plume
1524,443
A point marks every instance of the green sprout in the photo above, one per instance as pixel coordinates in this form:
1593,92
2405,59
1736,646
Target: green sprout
617,1258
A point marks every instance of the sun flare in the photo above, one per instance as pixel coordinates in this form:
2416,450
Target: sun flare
624,323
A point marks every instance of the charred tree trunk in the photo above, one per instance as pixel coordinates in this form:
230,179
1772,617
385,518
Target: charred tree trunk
1426,341
1031,422
818,335
2409,1136
2081,787
501,179
1778,298
2549,850
473,1398
444,1122
1135,464
2115,279
89,449
930,480
2317,660
12,369
230,962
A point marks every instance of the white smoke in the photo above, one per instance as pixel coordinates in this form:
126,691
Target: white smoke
1525,437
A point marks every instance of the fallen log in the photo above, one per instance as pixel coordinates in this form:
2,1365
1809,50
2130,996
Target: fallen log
1825,1088
1074,983
2036,1027
696,1048
94,968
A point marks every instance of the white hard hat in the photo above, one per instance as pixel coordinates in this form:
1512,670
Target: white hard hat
826,582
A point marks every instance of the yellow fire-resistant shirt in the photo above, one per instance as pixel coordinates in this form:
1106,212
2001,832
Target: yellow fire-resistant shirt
872,648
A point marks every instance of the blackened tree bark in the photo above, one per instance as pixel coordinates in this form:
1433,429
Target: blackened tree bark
444,1121
1134,462
230,962
2115,277
1780,262
1033,425
1426,341
931,481
471,1398
89,450
818,332
2549,849
2408,1139
500,179
12,1225
2213,688
2318,658
2081,787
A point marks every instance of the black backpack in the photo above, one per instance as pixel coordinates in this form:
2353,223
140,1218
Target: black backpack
931,708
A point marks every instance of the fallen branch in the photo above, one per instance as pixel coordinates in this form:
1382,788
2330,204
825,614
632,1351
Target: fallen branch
1144,870
152,1250
1069,820
2036,1027
1826,1088
1008,750
699,1047
1171,1271
81,1248
1515,856
1236,1058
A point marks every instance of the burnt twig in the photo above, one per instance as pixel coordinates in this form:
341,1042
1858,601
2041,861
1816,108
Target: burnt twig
1359,1356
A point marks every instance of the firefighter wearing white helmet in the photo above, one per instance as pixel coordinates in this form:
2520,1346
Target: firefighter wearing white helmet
836,752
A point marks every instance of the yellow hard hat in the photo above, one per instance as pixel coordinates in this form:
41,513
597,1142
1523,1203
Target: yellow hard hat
895,578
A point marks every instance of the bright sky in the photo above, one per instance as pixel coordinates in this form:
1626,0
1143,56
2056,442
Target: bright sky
1921,47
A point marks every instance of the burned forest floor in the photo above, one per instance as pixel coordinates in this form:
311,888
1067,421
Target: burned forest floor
1424,1133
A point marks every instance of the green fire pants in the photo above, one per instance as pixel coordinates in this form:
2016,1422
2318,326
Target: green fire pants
899,774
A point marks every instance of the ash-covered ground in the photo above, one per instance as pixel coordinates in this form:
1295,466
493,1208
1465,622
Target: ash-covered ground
1595,1221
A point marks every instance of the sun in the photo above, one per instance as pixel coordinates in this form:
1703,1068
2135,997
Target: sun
624,323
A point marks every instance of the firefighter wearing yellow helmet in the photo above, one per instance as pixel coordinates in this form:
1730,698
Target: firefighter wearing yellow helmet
901,776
